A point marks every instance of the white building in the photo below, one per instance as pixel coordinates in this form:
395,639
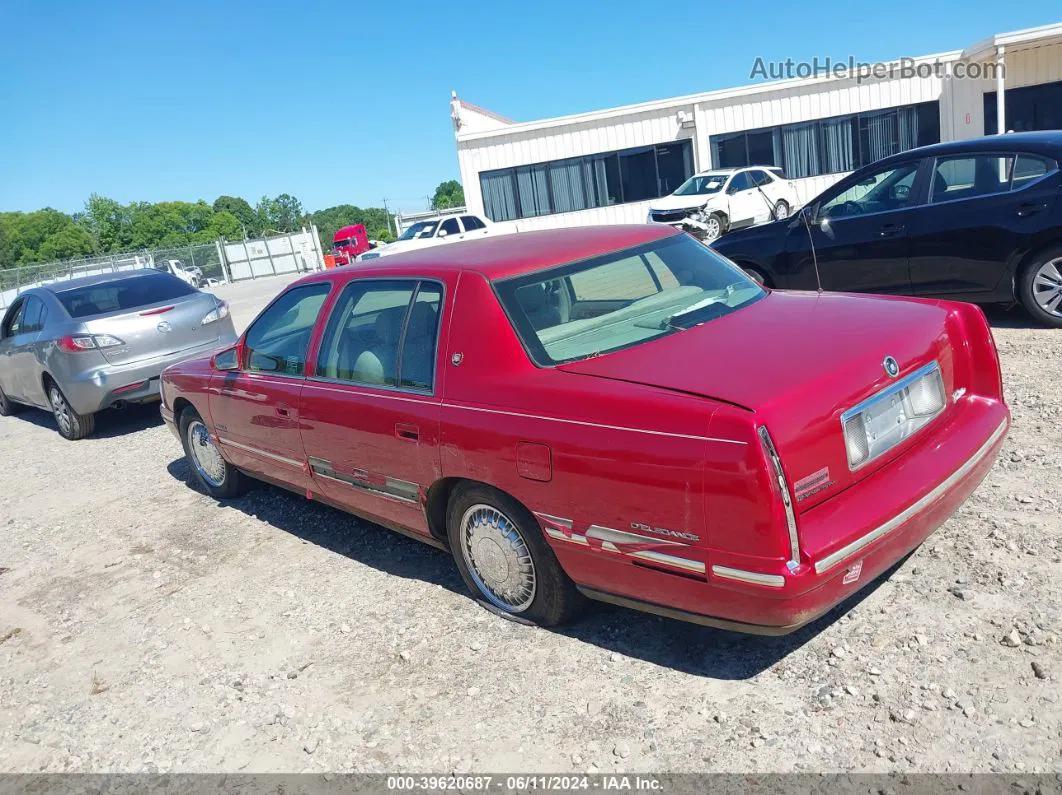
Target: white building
605,166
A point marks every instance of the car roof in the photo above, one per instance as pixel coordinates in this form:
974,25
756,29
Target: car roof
101,278
505,255
1044,142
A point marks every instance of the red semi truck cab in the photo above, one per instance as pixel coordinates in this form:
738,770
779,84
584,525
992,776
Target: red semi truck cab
348,242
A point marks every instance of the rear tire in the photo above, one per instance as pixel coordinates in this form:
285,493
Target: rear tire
218,478
1040,287
72,426
504,559
8,406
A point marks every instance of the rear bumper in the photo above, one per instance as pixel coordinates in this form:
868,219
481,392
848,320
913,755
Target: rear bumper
779,603
102,386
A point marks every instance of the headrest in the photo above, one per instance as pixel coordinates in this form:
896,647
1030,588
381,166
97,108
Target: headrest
422,319
532,298
388,323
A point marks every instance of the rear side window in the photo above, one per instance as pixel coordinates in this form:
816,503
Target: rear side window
383,333
471,223
278,340
33,315
970,176
1028,168
122,295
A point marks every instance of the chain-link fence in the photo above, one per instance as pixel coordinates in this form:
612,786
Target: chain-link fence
201,265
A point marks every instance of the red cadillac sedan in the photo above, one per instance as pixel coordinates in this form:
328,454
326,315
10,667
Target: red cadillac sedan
616,412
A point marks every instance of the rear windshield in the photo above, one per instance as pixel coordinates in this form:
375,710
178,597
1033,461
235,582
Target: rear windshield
622,299
125,294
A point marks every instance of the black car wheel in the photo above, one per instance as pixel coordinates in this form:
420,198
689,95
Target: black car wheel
504,559
72,426
8,406
1040,287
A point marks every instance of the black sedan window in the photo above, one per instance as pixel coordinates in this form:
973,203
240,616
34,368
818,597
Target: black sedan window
122,294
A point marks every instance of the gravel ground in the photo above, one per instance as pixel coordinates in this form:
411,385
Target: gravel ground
145,627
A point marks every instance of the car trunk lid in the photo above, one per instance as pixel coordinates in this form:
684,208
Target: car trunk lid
798,361
160,329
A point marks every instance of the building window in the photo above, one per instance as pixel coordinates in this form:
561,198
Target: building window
1030,108
831,146
582,183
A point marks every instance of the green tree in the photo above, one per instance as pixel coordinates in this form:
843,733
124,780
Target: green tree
108,223
281,214
376,221
242,211
225,224
448,194
69,241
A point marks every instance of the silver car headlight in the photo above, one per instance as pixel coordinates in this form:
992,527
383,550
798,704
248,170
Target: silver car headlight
884,420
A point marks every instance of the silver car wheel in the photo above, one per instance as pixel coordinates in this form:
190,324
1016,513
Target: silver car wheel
781,210
206,458
1047,287
712,228
60,409
498,558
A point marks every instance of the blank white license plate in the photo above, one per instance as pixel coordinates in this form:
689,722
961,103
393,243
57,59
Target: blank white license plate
885,418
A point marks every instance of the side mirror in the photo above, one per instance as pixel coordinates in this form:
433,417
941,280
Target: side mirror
228,359
442,233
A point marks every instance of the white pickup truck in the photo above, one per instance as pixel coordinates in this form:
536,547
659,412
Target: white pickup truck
449,229
191,274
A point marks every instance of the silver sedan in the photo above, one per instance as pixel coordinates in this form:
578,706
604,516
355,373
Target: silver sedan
80,346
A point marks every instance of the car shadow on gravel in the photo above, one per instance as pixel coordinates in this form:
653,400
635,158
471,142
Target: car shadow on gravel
1013,317
110,423
685,647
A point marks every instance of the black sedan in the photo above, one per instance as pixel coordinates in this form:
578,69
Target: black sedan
977,220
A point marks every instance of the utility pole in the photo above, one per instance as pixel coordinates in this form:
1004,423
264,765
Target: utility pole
386,210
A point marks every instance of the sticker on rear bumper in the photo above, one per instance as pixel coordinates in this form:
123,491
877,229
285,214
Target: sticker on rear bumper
853,572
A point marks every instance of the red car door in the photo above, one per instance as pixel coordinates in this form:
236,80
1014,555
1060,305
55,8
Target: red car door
370,412
255,408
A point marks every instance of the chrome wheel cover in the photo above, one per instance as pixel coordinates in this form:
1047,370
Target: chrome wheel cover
1047,287
497,558
60,409
206,458
781,210
712,228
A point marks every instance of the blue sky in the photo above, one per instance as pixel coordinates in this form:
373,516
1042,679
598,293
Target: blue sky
347,102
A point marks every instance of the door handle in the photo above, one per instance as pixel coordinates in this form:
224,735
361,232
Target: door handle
411,433
1026,209
283,410
891,230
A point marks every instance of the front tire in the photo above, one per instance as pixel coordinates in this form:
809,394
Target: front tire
505,560
1040,287
714,225
72,426
220,479
781,210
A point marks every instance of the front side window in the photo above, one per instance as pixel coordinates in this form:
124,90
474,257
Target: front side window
278,340
622,299
383,333
970,176
739,183
13,321
450,227
888,189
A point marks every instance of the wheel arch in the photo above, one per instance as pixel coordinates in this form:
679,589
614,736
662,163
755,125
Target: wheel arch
1026,262
437,501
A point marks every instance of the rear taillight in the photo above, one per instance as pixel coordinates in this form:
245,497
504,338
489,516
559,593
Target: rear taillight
87,342
219,312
